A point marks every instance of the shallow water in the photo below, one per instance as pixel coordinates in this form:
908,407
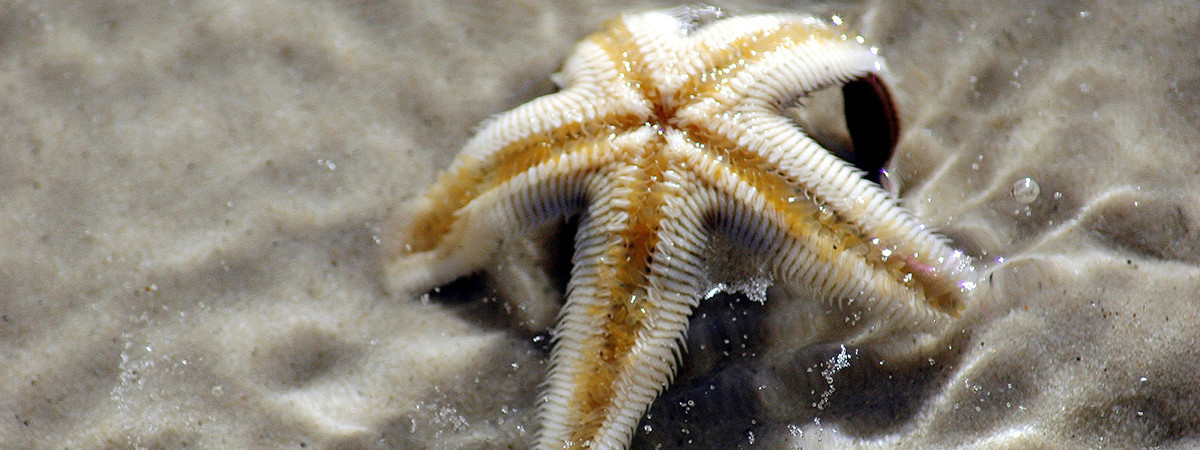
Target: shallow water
195,197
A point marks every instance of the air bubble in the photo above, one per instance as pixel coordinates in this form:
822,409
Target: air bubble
1026,191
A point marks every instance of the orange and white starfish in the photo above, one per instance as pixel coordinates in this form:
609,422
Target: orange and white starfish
670,129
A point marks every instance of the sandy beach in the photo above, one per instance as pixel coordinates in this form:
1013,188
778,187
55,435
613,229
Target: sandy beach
196,199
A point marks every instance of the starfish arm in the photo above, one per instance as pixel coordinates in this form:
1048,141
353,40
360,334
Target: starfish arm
650,43
807,243
787,59
594,105
781,76
591,95
468,236
619,338
734,42
746,119
833,184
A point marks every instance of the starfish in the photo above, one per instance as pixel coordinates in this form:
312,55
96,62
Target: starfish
670,129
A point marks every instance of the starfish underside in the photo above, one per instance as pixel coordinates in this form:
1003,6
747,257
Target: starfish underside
667,132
